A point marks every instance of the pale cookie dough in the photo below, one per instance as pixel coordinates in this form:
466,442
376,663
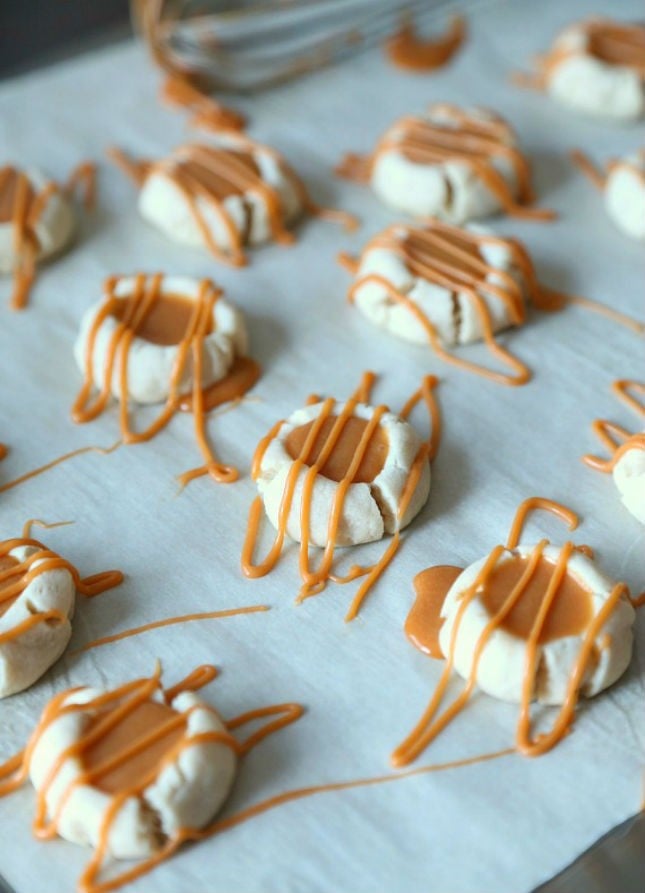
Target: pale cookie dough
50,221
578,78
629,477
625,194
501,668
186,793
370,508
150,364
196,215
452,313
450,189
25,656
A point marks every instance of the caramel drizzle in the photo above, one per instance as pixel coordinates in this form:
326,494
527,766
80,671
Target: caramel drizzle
314,581
225,164
626,42
433,722
146,292
102,451
178,90
617,439
25,212
4,449
170,621
471,141
15,579
406,50
112,707
460,272
598,176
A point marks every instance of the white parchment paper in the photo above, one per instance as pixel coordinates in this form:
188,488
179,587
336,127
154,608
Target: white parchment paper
502,826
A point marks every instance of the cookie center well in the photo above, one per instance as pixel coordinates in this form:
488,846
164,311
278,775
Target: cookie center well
167,320
219,172
6,562
570,612
618,45
338,462
136,763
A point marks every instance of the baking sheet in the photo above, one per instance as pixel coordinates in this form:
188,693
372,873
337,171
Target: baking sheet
504,826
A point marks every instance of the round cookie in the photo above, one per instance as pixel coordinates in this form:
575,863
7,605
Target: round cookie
597,67
161,781
453,163
501,667
35,623
436,268
156,340
370,498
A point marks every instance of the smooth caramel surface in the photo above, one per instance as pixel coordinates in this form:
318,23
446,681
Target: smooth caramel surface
618,44
139,722
424,622
209,178
167,320
337,465
569,615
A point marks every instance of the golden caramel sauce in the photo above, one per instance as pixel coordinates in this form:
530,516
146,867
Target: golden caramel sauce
616,438
571,611
10,181
243,374
6,563
211,177
167,320
144,719
618,44
337,465
423,623
406,50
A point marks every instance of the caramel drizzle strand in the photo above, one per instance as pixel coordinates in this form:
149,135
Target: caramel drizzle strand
170,621
102,451
15,579
616,438
471,141
460,273
314,581
146,292
432,722
224,164
406,50
112,707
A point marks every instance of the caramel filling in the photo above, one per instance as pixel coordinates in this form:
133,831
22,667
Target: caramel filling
570,613
424,622
146,720
166,323
11,184
7,562
212,179
337,464
618,44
